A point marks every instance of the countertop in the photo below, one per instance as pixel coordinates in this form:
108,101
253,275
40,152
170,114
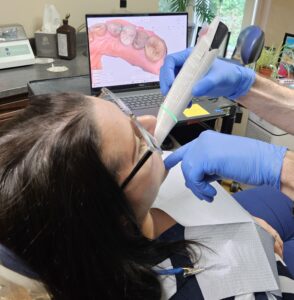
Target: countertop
14,81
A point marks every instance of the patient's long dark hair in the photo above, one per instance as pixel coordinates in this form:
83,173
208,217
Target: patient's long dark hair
62,211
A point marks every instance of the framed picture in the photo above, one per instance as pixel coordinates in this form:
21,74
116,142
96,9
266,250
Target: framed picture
286,61
223,47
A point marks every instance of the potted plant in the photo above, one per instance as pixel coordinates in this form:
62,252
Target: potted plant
266,65
204,10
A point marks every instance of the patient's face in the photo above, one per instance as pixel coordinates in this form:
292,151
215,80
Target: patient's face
119,142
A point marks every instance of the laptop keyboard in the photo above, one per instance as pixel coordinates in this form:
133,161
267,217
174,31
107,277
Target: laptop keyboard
143,101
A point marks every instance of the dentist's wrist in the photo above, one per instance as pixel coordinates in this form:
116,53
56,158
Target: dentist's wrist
287,175
247,79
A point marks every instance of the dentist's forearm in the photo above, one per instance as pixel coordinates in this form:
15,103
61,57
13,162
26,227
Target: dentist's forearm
272,102
287,175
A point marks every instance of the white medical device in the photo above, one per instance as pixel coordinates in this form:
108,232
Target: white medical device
15,48
197,64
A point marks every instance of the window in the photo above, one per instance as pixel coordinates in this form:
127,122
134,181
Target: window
230,11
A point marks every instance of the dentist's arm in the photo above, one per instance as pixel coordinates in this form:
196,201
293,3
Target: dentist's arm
287,176
215,155
262,96
272,102
223,78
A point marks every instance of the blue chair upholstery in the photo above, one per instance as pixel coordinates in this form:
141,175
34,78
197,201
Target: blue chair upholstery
9,260
276,209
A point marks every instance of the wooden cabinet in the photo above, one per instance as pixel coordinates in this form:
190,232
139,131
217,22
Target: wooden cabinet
11,106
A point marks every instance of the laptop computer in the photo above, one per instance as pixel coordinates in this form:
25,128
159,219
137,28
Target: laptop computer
126,52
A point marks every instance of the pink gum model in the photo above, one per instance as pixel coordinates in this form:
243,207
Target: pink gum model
120,38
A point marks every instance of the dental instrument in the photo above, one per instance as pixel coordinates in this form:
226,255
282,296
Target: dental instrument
196,65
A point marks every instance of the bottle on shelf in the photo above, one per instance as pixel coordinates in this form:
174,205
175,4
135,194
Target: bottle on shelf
66,40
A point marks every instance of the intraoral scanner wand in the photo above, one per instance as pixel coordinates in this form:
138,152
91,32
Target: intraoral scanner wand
196,65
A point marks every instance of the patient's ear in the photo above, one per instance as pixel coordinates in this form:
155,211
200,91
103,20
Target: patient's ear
149,123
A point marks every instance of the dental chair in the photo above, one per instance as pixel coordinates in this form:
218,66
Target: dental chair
17,281
276,209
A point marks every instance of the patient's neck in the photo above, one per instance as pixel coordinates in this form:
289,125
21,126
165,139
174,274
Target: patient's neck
155,223
147,226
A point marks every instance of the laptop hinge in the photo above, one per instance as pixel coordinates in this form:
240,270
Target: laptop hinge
135,88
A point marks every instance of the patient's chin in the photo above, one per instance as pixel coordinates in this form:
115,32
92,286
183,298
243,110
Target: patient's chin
161,169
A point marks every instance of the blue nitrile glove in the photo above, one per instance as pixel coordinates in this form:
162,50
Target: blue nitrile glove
213,155
223,79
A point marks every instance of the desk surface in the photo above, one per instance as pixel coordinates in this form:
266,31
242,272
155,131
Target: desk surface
14,80
215,107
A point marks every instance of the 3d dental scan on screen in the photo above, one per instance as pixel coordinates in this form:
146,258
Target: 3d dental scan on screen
131,49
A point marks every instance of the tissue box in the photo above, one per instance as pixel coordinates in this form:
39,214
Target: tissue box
46,44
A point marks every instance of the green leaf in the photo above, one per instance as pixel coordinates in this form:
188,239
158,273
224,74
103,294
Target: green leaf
205,10
178,5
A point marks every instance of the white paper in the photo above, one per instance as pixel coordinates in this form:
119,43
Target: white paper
241,265
187,209
236,266
168,283
51,19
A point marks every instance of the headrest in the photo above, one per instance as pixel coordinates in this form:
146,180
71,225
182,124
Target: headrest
17,280
10,261
249,45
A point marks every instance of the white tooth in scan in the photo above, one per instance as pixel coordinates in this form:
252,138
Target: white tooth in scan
99,29
128,35
114,29
155,48
140,39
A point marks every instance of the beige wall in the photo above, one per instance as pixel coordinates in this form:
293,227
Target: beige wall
29,12
277,16
248,10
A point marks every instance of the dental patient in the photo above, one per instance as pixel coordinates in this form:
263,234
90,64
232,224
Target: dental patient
78,177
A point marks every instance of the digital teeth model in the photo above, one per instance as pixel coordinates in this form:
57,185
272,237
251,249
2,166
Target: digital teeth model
119,38
196,65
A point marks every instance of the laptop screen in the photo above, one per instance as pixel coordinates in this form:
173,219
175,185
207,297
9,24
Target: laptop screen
128,50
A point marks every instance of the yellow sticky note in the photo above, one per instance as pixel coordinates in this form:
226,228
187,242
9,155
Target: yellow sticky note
195,111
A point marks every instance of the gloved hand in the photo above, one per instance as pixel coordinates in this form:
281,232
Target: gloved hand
223,79
213,155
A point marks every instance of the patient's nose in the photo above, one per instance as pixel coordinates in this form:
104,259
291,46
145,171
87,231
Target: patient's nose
149,123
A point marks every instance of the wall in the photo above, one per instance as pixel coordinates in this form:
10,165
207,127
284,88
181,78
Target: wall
29,12
248,10
276,18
